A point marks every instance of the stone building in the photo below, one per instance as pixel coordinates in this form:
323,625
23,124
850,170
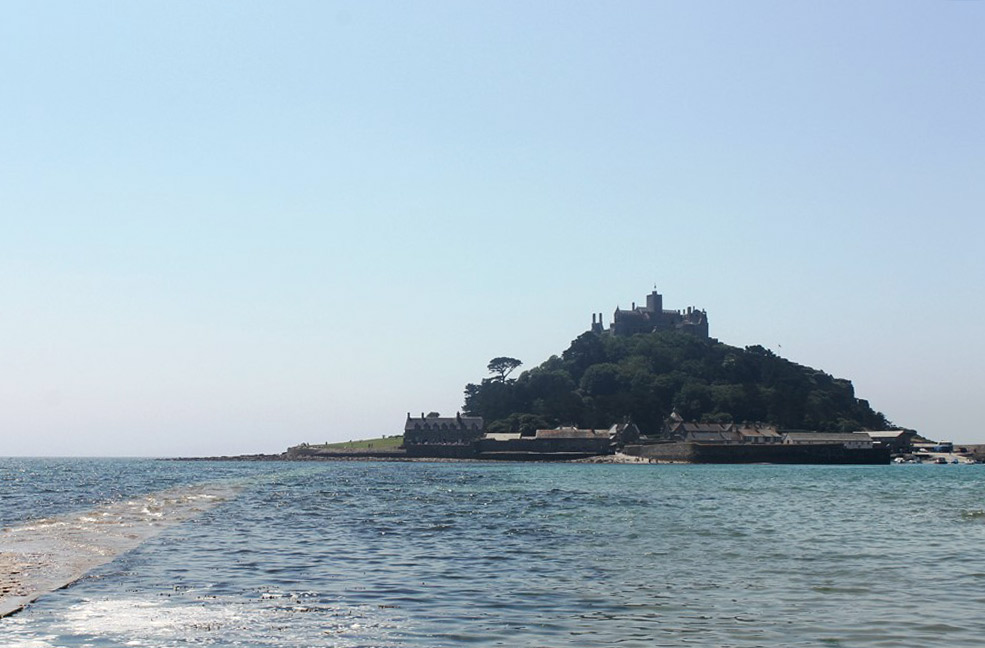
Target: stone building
759,433
556,442
653,317
851,440
707,433
899,441
675,428
435,429
625,432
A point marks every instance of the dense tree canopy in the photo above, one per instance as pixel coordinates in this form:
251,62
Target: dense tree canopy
601,379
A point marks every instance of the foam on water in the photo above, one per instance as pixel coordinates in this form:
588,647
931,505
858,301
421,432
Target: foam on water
43,555
137,621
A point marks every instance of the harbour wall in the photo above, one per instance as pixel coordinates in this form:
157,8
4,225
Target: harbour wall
749,453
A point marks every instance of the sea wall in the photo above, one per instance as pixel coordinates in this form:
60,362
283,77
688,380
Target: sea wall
679,452
552,446
441,451
750,453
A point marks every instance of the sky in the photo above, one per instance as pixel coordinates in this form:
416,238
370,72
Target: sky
233,227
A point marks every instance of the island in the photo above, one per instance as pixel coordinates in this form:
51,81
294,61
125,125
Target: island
654,386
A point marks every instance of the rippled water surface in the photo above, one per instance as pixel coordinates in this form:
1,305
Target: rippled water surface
446,554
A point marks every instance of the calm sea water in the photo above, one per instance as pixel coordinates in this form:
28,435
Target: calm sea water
419,554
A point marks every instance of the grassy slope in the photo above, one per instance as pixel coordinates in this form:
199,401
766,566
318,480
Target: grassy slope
383,443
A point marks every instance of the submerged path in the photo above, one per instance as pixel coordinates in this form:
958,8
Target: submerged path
44,555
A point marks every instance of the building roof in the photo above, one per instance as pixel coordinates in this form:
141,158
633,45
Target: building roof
705,427
620,427
828,437
639,311
888,434
571,433
713,436
457,422
501,436
758,431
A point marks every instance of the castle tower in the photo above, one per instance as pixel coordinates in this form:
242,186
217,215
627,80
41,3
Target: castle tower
655,302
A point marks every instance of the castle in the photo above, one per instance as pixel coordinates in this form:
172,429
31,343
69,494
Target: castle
653,317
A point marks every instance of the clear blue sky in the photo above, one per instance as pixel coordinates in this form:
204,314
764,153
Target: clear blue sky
231,227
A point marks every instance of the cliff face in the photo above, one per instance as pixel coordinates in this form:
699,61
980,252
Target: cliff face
601,379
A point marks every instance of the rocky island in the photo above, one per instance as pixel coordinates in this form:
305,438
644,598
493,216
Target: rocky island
654,386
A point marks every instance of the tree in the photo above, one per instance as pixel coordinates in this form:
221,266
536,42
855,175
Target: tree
585,350
503,366
600,379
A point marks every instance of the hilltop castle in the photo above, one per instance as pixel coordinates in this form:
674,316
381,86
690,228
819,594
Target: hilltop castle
653,317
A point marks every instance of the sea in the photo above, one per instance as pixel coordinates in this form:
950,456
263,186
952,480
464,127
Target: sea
374,554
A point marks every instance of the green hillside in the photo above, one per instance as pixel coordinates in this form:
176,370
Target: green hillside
381,443
601,379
